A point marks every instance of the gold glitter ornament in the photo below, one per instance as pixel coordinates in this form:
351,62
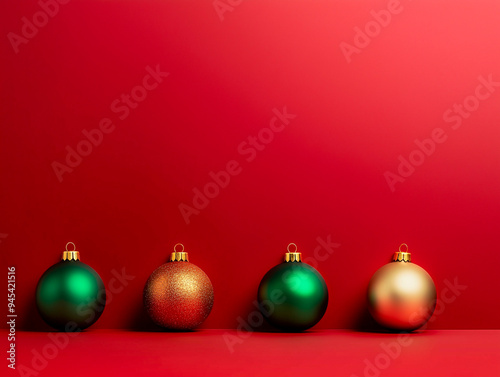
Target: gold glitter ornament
178,295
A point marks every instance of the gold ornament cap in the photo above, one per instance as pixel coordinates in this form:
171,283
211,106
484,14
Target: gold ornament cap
402,255
179,256
293,256
71,254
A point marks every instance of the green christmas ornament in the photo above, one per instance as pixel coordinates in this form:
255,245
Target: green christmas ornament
293,296
70,295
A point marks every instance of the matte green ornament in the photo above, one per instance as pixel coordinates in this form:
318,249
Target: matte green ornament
293,296
70,295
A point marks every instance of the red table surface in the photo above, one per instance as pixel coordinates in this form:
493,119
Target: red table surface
206,353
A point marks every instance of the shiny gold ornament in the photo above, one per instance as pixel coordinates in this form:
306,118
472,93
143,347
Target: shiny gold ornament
401,295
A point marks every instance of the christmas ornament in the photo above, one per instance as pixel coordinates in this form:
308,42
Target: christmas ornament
70,295
401,295
178,295
293,296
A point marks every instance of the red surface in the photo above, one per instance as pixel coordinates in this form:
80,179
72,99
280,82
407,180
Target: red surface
322,175
319,353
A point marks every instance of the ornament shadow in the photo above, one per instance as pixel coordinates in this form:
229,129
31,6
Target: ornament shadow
32,321
142,323
364,322
140,320
290,332
265,327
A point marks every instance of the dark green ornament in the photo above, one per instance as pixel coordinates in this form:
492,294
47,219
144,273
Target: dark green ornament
293,296
70,295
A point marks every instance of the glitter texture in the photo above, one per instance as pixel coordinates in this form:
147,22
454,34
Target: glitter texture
178,296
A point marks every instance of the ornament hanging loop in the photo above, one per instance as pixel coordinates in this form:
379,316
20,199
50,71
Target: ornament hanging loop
293,254
71,243
402,255
179,255
71,254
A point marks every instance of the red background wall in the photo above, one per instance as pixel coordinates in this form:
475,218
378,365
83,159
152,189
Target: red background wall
323,175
